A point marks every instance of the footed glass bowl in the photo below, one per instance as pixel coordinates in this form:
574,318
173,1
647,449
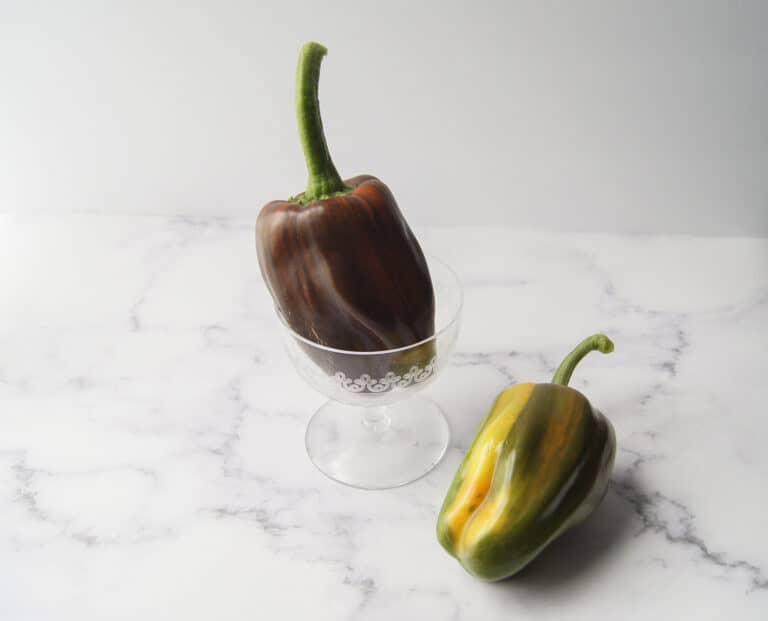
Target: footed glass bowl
376,432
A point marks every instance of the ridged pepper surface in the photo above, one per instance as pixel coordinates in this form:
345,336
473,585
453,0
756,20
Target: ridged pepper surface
539,465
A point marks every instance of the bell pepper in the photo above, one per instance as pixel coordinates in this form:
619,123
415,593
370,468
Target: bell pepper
539,465
340,261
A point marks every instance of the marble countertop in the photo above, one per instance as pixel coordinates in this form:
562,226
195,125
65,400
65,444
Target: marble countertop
152,460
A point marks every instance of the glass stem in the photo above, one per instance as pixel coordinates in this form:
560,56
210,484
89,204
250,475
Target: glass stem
376,418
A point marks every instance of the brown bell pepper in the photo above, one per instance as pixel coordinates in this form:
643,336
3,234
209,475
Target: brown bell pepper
342,265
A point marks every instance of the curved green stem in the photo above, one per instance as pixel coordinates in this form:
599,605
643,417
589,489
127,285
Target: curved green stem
598,342
324,180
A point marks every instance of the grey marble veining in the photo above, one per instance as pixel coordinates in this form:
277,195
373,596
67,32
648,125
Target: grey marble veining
152,457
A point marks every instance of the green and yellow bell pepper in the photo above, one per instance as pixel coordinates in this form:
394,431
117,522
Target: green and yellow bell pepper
539,465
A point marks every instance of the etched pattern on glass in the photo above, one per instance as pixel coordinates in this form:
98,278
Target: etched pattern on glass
366,383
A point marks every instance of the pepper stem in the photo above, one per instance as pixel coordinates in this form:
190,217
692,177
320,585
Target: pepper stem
598,342
324,180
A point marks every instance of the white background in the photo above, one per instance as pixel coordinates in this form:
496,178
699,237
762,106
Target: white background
628,116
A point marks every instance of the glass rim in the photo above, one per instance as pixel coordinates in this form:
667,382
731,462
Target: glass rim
379,352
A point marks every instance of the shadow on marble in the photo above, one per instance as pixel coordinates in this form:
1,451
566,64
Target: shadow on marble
581,550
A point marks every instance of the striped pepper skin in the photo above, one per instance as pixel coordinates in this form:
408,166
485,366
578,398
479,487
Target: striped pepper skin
347,272
540,464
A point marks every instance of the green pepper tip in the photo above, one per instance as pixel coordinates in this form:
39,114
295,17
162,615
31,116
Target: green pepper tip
315,47
598,342
324,180
604,344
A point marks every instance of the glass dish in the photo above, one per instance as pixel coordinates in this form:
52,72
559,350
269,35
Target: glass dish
376,432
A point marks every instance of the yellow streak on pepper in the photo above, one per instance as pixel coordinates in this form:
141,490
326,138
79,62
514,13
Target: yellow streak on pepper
484,452
487,518
560,433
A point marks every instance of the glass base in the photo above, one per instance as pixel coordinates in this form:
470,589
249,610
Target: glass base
377,447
